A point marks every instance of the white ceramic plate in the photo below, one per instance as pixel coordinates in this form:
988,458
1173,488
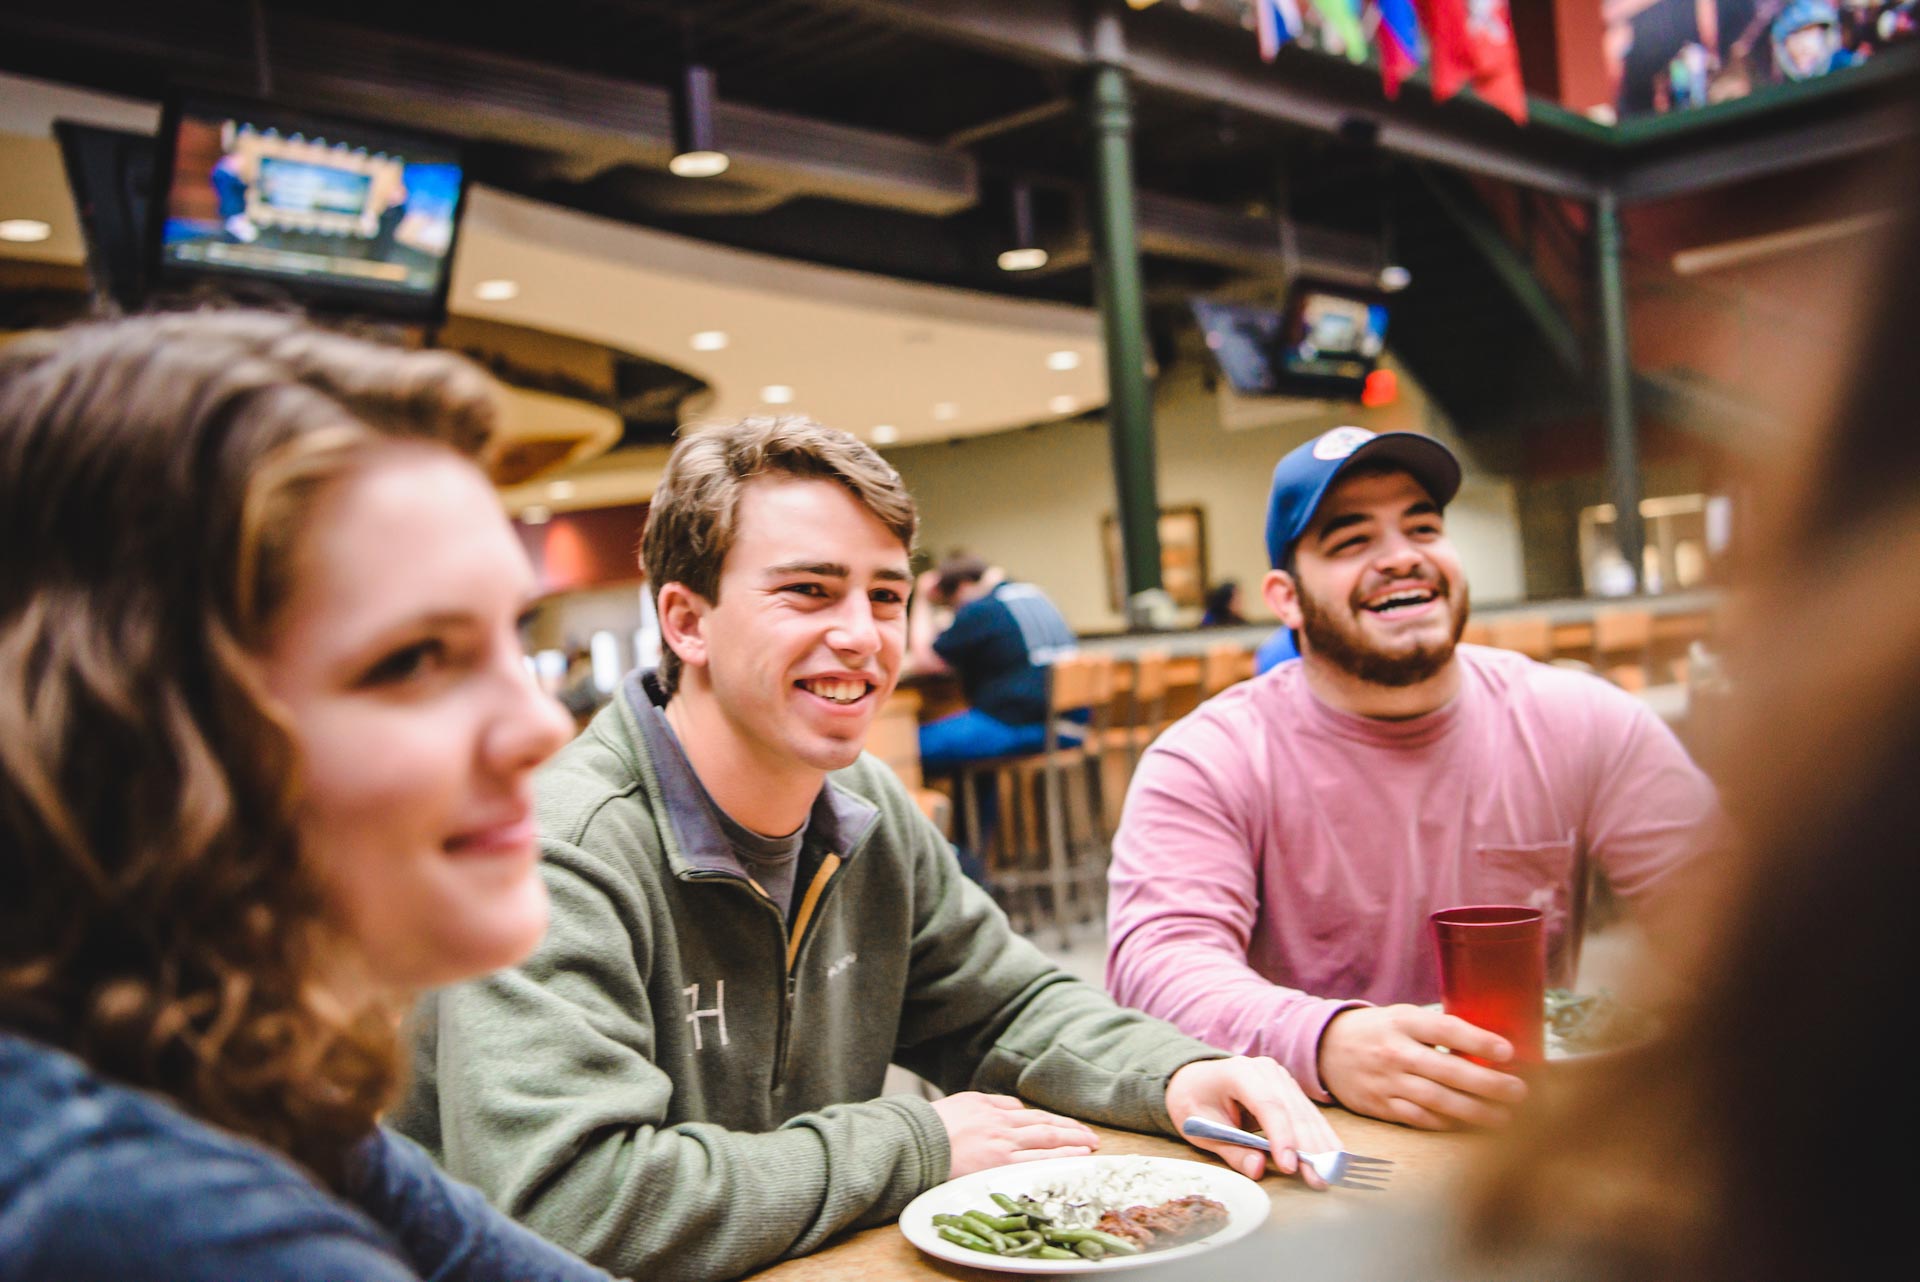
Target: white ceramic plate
1246,1204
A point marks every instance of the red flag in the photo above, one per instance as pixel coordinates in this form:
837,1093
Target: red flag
1471,42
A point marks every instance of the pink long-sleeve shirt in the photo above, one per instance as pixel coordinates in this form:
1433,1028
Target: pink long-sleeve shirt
1277,857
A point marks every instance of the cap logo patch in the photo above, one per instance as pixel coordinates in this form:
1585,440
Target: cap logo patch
1340,442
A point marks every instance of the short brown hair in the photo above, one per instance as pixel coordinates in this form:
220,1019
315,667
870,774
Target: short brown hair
959,569
158,476
690,523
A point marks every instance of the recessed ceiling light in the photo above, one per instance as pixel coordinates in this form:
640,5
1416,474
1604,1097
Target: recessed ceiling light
1063,360
1022,260
709,340
1394,277
24,231
1062,404
560,490
885,434
496,291
699,164
535,515
945,410
776,394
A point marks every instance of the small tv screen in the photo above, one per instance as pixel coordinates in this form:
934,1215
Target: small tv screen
1322,343
1243,339
341,214
1331,336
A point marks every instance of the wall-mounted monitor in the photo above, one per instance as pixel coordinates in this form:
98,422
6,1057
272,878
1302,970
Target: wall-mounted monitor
1331,336
1322,343
1242,338
341,214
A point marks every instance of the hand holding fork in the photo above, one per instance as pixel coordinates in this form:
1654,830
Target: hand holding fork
1337,1168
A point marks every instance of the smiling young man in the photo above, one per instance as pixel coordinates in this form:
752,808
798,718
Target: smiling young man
751,920
1281,847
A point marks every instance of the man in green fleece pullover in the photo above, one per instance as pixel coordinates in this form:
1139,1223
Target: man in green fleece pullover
750,920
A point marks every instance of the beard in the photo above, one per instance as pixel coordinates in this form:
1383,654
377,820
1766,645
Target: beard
1343,645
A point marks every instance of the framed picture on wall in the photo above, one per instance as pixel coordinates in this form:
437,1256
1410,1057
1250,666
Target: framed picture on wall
1183,556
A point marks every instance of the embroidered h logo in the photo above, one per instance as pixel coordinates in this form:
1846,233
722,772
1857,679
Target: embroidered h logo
718,1011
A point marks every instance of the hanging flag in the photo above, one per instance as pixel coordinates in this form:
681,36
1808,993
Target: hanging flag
1470,42
1276,22
1399,39
1342,18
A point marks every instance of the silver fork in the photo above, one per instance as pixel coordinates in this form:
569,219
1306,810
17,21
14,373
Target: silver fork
1337,1167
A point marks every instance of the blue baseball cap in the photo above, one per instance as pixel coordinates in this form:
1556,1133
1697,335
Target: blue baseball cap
1300,480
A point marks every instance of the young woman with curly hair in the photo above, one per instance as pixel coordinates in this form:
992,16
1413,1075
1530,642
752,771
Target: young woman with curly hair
266,738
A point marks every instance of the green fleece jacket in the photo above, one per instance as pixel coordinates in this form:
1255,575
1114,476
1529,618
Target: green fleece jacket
677,1086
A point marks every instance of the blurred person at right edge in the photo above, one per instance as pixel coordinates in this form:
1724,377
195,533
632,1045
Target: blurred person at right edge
1762,1135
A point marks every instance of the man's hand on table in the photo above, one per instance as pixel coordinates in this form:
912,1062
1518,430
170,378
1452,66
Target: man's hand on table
1382,1061
1254,1094
991,1130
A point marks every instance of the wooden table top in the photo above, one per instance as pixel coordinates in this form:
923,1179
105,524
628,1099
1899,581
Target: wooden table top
1423,1163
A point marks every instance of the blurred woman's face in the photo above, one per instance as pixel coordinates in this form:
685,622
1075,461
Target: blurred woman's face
398,658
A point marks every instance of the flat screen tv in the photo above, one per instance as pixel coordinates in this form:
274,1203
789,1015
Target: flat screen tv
1243,339
341,214
1322,342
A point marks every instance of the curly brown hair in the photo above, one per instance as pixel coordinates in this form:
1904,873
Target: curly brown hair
690,522
156,475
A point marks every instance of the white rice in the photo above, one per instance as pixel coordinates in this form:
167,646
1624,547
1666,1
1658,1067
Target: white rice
1078,1201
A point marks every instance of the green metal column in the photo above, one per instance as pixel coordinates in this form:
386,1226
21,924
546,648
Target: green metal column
1623,443
1123,317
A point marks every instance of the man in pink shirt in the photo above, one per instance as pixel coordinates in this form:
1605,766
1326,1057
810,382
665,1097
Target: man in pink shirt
1282,846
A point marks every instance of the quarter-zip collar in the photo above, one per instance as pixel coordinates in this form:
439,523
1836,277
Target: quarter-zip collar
839,822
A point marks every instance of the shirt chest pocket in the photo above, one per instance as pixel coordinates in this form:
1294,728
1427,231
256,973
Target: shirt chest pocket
1547,875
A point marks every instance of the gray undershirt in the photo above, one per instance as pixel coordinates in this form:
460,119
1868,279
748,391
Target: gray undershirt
770,861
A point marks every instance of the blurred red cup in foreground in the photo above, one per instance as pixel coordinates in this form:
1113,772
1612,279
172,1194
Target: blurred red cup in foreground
1493,973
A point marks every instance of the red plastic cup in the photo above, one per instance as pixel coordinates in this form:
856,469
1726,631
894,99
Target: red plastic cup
1493,973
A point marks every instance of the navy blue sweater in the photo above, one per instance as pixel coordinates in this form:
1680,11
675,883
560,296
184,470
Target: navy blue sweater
99,1181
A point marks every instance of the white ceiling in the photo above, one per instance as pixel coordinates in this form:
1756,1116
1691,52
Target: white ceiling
859,351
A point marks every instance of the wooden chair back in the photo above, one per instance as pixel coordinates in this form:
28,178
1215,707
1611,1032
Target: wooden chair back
895,736
1623,646
1223,665
1080,682
1530,634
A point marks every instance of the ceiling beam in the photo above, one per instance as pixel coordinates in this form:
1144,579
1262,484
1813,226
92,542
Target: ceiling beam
585,123
1206,63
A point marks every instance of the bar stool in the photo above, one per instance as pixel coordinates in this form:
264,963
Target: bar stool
1049,855
1138,720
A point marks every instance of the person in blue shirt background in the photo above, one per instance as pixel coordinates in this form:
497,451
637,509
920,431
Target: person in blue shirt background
1275,650
1003,636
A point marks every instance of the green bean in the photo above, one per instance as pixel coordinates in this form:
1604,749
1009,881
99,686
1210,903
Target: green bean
1073,1237
1091,1250
1000,1223
1007,1204
1054,1253
975,1223
1032,1210
1025,1242
961,1238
